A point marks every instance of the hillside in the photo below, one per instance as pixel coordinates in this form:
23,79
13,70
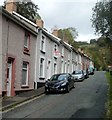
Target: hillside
100,51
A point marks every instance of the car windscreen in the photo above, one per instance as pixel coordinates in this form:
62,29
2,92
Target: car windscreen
58,77
78,72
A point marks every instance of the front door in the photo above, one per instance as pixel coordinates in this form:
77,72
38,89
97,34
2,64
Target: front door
9,77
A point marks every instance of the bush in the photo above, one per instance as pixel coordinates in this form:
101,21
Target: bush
109,77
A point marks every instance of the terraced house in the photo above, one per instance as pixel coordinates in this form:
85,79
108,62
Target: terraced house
47,62
30,54
18,48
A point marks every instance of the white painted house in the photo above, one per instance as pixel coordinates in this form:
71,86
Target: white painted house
47,60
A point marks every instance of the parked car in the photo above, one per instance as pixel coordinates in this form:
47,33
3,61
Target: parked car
91,71
86,75
78,75
59,82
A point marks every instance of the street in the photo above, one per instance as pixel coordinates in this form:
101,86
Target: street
86,100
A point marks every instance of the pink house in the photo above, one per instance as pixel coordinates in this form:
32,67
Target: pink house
18,54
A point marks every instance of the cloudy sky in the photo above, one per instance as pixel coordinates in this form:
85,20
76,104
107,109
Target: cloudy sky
68,13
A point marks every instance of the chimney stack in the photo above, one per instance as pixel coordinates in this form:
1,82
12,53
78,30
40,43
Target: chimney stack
11,6
55,32
79,49
40,23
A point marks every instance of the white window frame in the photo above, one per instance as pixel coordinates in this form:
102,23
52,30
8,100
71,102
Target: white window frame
43,74
72,67
55,71
27,69
62,66
55,68
26,36
65,67
49,64
68,67
44,45
55,49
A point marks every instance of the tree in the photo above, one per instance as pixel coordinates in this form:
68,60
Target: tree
102,22
27,9
68,35
92,41
101,42
102,18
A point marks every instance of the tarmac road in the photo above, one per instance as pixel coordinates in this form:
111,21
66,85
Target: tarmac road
87,100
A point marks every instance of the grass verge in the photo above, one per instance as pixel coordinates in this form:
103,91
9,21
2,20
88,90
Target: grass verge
109,111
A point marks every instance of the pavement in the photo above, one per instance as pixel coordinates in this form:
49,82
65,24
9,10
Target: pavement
9,102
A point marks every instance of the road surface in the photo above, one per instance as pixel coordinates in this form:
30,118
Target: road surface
87,100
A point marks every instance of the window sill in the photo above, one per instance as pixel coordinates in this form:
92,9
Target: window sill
24,86
26,52
62,56
26,49
42,51
55,57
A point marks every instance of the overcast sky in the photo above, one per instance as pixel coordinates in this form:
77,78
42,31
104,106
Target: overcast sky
68,13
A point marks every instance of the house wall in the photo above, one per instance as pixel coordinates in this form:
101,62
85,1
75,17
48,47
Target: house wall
63,60
13,42
48,55
67,58
55,58
79,62
74,61
39,55
0,54
88,62
91,64
85,63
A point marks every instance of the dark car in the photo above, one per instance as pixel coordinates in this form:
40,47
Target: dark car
78,75
59,82
86,75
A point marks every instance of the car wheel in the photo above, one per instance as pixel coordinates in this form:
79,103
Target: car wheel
46,92
74,85
67,88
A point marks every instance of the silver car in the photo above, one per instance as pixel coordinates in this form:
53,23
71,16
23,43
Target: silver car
78,75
